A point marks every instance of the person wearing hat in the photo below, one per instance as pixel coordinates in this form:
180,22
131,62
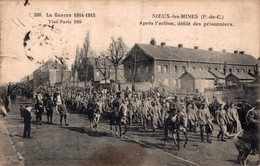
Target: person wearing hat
204,121
27,122
39,109
49,109
221,121
251,133
63,113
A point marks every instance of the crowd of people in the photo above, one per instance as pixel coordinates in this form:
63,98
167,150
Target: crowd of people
149,109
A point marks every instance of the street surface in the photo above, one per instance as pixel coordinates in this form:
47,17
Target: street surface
77,145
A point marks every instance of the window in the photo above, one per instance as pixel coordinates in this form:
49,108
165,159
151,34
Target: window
183,69
230,70
138,70
165,68
166,82
176,68
237,70
146,69
97,74
249,71
201,68
193,68
209,68
242,71
175,82
216,68
159,69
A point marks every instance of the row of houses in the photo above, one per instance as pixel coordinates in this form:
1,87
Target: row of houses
52,73
178,68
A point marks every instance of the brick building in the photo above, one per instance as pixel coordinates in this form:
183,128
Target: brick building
163,65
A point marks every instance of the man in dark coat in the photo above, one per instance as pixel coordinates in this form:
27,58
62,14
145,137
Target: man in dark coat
63,113
251,133
27,122
49,109
22,109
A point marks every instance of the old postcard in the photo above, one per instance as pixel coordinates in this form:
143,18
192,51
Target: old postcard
129,82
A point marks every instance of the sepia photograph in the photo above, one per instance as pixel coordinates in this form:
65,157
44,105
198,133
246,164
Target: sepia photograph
129,83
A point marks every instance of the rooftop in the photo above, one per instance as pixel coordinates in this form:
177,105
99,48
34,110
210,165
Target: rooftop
242,76
217,74
199,74
159,52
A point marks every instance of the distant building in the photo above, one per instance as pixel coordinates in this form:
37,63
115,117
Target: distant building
197,81
101,70
238,78
51,73
163,65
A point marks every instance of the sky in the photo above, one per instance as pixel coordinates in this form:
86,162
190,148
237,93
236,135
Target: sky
118,19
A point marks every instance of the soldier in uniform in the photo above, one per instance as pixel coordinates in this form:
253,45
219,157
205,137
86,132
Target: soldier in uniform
221,121
39,109
63,113
204,120
49,108
27,122
251,133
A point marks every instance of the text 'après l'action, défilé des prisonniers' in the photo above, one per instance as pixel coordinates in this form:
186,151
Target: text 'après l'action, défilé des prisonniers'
186,20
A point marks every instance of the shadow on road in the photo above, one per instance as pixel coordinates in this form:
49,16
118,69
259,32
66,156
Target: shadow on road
86,131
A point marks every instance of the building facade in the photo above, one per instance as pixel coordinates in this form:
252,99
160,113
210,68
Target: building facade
163,65
51,73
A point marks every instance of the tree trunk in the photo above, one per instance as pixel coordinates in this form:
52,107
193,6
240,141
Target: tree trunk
116,69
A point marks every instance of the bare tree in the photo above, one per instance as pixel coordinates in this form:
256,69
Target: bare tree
116,52
75,66
80,64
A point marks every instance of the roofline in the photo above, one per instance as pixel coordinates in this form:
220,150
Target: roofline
241,78
137,44
205,62
203,50
128,54
194,77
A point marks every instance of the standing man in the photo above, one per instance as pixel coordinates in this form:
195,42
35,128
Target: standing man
63,113
27,122
251,133
204,120
39,109
221,121
49,108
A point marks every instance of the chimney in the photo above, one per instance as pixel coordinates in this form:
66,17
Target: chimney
235,51
163,44
224,51
210,49
196,47
241,52
153,42
180,45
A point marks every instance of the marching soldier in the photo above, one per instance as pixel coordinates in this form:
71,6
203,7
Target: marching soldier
221,121
204,120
